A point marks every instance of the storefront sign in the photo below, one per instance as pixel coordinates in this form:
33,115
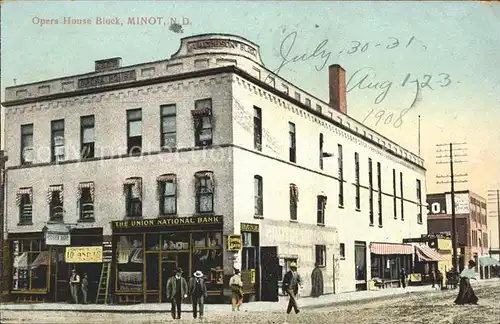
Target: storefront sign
57,239
84,254
246,227
234,242
106,79
221,44
444,245
252,276
195,220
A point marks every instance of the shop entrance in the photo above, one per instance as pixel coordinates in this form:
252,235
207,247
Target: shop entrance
157,281
59,276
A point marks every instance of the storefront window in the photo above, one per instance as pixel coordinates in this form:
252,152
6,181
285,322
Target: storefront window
30,265
152,242
129,255
387,267
176,241
207,255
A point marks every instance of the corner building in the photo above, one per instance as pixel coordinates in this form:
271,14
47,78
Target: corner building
206,161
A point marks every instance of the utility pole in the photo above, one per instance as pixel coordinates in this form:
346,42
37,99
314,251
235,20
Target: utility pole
452,148
494,197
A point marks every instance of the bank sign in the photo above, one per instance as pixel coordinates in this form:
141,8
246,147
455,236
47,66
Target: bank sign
174,221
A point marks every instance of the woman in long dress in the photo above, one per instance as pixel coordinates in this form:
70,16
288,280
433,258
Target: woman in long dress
466,294
316,281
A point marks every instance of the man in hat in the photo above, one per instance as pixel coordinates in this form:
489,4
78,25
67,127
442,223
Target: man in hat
291,283
176,289
198,292
74,284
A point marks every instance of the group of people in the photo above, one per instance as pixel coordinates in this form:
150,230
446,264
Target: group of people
76,286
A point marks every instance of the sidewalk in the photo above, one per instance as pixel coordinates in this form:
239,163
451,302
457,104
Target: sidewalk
304,303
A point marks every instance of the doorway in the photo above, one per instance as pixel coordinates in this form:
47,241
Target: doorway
59,276
169,263
269,273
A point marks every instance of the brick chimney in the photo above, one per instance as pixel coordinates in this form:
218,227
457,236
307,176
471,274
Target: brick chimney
337,88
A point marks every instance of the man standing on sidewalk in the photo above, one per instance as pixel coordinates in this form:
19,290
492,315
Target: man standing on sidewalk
198,292
291,283
402,277
74,284
176,289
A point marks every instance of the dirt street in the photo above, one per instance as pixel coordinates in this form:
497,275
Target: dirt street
424,308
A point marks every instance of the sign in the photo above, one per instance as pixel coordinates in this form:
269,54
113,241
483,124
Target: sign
234,242
245,227
57,239
221,44
462,203
252,275
84,254
436,204
194,220
108,64
444,245
106,79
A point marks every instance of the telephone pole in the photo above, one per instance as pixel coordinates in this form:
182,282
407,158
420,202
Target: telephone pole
453,150
494,197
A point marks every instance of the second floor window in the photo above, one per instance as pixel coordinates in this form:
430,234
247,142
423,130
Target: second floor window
55,199
167,194
87,137
394,194
370,188
204,192
341,174
379,186
24,200
321,151
134,131
257,128
57,140
419,199
27,151
202,115
294,199
402,196
321,206
292,149
258,196
357,183
86,200
168,127
132,189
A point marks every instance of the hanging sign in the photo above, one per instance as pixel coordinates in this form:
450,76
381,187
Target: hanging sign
84,254
234,242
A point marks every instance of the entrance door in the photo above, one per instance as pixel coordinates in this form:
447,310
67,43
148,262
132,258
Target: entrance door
59,277
167,271
269,264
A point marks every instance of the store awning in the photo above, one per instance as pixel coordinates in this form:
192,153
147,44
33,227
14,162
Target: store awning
389,248
425,253
486,261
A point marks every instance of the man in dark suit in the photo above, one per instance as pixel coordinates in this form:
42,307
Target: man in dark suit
198,292
291,283
177,289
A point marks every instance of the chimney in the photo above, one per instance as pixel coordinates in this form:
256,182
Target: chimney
337,88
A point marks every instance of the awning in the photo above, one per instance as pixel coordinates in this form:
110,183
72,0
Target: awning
425,253
24,191
52,189
389,248
486,261
201,112
166,177
136,184
89,185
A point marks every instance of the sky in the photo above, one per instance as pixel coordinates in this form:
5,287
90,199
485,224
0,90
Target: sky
449,51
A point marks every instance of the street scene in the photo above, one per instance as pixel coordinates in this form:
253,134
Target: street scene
275,162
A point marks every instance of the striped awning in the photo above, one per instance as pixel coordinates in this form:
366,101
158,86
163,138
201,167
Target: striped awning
204,174
389,248
24,191
136,184
201,112
53,189
425,253
160,180
82,185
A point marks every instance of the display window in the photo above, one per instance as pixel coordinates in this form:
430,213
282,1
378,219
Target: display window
30,265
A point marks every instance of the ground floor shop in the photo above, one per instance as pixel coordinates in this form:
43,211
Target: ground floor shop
387,260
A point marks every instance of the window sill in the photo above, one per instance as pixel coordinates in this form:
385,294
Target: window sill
372,225
204,213
55,221
293,221
86,220
168,215
321,225
25,224
258,216
380,226
132,217
358,210
420,223
342,258
341,206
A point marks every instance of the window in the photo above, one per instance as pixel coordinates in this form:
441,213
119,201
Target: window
321,255
168,127
24,200
130,262
258,196
167,194
57,140
134,131
342,250
285,88
379,186
203,122
55,200
321,203
341,175
319,109
370,188
294,198
358,186
308,102
321,151
204,192
292,136
297,96
87,137
257,128
86,201
402,197
394,195
207,256
27,150
132,189
30,266
419,198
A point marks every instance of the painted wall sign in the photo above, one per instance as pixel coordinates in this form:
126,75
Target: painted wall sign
462,203
84,254
246,227
234,242
220,44
106,79
168,221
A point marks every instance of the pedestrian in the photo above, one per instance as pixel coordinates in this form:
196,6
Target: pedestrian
74,284
177,289
316,281
402,277
198,292
466,294
439,279
85,285
291,284
432,277
236,285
